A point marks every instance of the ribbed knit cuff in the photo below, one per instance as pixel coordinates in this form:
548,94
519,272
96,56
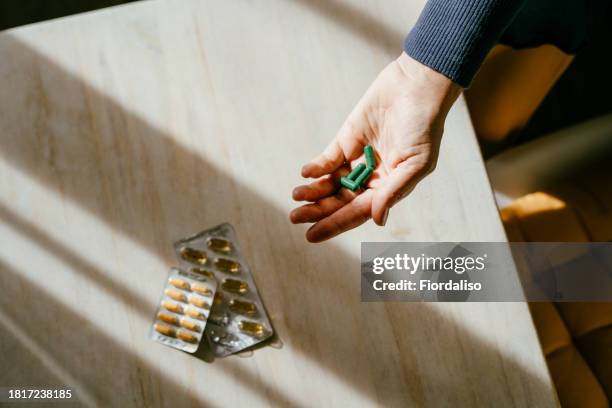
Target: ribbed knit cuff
454,36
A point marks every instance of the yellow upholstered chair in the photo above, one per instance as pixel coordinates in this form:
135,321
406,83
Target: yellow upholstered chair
575,337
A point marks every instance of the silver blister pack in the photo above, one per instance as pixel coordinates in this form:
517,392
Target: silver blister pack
184,309
237,318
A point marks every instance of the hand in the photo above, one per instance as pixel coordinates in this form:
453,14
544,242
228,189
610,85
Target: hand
402,116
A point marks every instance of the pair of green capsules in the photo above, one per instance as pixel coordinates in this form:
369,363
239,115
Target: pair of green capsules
362,172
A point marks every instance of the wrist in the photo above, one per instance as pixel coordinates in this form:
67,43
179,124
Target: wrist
435,89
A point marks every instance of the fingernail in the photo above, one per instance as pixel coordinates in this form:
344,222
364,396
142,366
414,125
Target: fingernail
385,216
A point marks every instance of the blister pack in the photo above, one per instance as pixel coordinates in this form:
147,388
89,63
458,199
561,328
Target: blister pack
237,318
184,309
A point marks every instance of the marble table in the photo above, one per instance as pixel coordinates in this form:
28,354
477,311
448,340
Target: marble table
125,129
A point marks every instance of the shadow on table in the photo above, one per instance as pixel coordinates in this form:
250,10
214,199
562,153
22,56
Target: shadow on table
359,23
105,159
82,350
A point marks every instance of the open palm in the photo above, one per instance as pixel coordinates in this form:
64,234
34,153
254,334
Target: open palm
402,116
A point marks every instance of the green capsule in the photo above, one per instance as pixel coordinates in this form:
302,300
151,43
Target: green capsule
350,184
358,169
364,176
370,158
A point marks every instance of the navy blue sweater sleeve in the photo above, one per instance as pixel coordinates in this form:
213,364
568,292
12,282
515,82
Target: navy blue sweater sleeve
454,36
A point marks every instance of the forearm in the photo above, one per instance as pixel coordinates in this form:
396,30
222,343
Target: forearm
454,36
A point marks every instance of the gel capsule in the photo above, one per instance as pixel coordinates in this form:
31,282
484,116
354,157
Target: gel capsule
235,286
219,245
171,306
218,299
227,265
193,255
202,271
199,302
165,330
168,318
251,328
178,283
242,307
201,289
187,337
175,294
196,314
188,324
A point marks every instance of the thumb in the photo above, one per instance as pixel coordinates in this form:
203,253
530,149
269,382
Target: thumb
398,184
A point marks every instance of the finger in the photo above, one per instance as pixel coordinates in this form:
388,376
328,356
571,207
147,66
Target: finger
348,217
321,188
322,208
395,186
315,190
351,137
346,146
325,163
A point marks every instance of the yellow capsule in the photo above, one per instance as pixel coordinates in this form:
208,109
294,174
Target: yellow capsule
188,337
219,245
168,318
188,324
175,294
202,271
218,299
201,289
242,307
171,306
235,286
193,255
179,283
227,265
196,314
165,330
199,302
251,328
